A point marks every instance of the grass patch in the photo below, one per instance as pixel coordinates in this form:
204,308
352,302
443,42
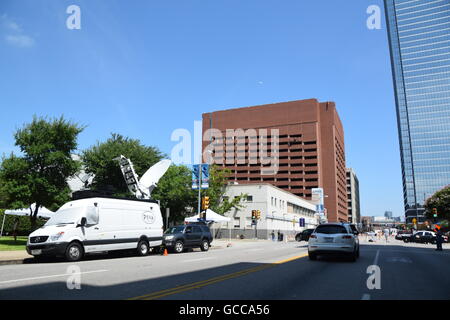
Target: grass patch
8,243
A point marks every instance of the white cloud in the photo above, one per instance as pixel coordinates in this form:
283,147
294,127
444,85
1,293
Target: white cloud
21,41
14,34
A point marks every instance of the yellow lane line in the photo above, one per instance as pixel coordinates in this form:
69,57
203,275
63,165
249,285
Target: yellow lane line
203,283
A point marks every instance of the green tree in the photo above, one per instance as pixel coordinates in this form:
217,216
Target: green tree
174,191
441,201
99,160
218,181
40,174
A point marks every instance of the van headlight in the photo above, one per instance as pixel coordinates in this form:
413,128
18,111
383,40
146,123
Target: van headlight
57,236
168,237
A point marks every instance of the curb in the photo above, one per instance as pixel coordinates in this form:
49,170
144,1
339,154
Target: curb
16,261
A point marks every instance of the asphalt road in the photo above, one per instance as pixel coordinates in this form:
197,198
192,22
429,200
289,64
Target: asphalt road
248,270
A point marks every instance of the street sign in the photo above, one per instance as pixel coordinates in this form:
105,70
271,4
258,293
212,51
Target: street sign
301,222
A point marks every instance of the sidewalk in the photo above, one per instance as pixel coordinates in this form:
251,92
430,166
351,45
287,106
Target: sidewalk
13,257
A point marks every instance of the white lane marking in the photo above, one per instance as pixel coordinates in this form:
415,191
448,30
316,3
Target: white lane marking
399,259
52,276
365,296
375,262
200,259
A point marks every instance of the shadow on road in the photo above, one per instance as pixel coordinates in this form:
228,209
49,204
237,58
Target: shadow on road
338,272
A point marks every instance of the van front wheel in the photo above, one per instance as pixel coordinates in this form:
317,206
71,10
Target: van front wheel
74,252
143,248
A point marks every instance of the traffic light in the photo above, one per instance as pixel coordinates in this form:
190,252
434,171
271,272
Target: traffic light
258,214
435,212
253,214
205,203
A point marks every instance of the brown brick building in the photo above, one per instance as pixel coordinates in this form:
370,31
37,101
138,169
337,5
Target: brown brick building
310,143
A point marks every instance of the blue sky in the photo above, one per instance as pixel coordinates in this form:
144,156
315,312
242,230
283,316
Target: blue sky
145,68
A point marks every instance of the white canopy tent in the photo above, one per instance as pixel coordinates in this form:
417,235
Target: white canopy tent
211,216
43,212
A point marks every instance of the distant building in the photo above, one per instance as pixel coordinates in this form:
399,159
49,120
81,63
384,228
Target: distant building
280,211
366,223
310,148
388,214
354,210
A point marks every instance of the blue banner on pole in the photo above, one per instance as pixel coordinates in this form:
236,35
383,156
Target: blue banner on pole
195,176
205,176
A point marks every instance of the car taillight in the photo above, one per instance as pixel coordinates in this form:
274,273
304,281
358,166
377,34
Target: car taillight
313,236
346,237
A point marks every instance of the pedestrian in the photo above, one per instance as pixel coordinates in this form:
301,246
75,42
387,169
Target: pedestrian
439,240
15,228
273,235
386,235
279,235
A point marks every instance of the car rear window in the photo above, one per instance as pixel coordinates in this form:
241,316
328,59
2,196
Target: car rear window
330,229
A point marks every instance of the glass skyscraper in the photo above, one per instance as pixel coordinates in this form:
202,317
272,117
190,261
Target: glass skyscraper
419,38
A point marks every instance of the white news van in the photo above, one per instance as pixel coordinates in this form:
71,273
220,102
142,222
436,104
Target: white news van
99,224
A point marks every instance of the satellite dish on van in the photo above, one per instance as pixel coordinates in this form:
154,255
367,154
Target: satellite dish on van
142,188
152,176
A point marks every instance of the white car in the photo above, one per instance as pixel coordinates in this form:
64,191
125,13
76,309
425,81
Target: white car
333,238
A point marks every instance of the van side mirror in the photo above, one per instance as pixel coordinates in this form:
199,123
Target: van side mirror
82,222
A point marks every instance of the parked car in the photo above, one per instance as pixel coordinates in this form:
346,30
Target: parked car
403,234
421,237
179,238
333,238
304,235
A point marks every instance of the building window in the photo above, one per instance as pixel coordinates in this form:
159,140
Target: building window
249,198
237,223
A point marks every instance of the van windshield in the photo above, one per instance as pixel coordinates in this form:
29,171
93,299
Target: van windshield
66,216
174,230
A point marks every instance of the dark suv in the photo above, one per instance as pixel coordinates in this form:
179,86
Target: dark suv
187,236
304,235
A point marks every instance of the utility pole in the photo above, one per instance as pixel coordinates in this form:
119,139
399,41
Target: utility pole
199,184
167,217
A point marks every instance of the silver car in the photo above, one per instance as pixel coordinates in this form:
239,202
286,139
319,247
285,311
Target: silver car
334,238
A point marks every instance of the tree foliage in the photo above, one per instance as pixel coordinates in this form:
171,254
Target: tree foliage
99,160
218,181
174,191
40,174
441,201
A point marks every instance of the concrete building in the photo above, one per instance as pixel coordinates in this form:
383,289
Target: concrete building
354,210
306,149
280,211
